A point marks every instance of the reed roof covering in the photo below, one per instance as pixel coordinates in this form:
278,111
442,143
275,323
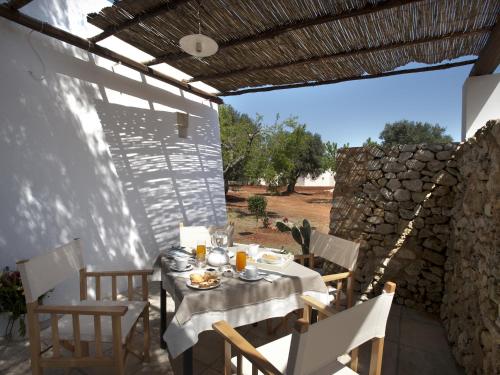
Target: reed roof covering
279,42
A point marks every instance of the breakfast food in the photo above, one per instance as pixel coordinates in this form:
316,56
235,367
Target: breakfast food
206,280
196,278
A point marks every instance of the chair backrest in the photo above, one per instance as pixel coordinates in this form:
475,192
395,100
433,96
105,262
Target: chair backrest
316,350
193,235
44,272
335,249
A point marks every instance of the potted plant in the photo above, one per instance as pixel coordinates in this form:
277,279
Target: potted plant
12,305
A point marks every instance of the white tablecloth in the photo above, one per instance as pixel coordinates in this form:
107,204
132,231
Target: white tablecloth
180,337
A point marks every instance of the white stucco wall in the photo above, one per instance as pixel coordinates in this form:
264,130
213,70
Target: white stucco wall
480,102
325,179
92,150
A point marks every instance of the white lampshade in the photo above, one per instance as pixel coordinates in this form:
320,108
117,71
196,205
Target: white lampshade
198,45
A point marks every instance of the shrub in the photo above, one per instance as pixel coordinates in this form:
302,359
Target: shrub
257,205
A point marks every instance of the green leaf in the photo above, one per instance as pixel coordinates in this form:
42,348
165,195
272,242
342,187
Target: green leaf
282,227
297,236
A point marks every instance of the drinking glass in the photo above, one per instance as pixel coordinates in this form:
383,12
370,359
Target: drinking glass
219,238
201,254
241,260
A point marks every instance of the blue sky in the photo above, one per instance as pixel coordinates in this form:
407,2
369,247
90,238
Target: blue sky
353,111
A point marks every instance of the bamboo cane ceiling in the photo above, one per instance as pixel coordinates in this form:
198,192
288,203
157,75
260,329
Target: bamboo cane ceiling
388,35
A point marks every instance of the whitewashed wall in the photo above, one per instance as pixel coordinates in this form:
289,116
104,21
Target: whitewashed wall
480,103
326,179
90,149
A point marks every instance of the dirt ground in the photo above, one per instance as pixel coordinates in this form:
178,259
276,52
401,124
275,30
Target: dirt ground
312,203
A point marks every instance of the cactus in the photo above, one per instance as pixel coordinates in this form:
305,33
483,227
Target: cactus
301,235
282,227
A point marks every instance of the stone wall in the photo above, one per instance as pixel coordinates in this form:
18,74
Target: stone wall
397,202
428,218
470,309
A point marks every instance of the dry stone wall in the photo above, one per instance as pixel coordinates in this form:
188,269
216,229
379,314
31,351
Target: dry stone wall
428,218
470,309
397,202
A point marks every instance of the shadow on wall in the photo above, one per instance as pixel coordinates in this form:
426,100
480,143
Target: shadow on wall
166,179
122,190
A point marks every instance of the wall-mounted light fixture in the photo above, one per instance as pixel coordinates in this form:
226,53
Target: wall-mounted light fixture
182,124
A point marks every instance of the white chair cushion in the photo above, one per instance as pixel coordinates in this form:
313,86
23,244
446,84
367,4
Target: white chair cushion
277,351
87,332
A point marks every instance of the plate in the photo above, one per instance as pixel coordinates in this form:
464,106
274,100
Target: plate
242,276
196,286
269,260
174,268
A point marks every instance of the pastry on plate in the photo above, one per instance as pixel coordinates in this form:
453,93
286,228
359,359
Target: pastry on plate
196,278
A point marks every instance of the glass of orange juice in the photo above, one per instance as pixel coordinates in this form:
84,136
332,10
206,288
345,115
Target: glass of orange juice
241,260
201,253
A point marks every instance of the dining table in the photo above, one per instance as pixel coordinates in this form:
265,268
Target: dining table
235,300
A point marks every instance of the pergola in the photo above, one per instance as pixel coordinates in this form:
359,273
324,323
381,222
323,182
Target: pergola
270,45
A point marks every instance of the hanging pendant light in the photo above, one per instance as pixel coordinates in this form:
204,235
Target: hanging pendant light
198,45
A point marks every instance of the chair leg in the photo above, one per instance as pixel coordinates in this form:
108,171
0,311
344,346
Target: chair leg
34,337
147,337
350,287
376,357
118,350
354,359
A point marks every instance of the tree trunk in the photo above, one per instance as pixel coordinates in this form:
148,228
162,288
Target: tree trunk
291,186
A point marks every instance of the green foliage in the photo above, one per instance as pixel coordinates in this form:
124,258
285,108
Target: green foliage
411,132
282,227
370,142
301,234
330,155
257,205
240,140
12,300
291,152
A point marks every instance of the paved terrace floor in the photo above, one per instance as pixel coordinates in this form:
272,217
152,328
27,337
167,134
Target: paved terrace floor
415,345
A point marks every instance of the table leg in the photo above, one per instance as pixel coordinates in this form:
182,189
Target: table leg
163,316
187,361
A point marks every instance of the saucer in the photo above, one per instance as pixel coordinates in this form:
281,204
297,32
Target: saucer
174,268
242,276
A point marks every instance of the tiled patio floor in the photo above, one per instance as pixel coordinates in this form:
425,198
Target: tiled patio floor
415,344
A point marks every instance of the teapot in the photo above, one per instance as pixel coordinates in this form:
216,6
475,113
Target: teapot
217,257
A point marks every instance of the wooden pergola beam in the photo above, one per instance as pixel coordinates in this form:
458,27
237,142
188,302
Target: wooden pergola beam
153,12
87,45
329,82
489,57
387,47
287,27
16,4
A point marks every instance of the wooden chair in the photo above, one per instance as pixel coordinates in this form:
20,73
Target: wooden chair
191,236
315,348
75,326
340,252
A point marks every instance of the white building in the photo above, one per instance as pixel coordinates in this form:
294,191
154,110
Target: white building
326,179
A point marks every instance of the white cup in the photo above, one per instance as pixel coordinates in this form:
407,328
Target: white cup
251,272
181,263
253,250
